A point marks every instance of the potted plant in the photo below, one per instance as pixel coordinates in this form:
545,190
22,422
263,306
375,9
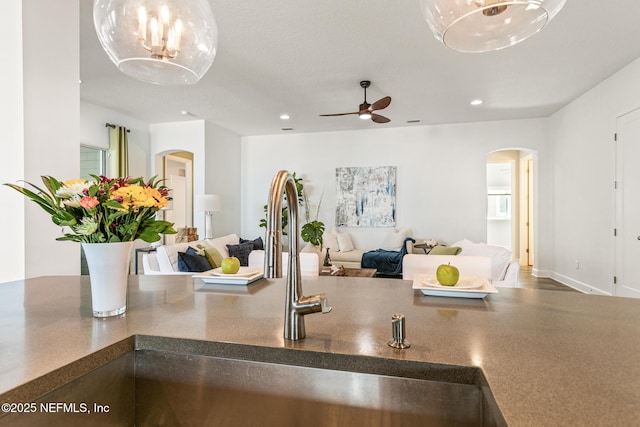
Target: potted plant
285,210
312,233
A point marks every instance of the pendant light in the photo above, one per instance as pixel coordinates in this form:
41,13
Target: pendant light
485,25
166,42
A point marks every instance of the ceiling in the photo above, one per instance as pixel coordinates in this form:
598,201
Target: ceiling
307,58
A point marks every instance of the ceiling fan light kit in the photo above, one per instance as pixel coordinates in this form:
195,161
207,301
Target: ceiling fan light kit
473,26
366,110
166,42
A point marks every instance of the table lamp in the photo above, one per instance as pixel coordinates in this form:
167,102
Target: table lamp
208,203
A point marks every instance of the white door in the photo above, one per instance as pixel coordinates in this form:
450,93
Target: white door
177,215
628,205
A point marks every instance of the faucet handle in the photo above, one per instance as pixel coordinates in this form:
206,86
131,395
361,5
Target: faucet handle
323,304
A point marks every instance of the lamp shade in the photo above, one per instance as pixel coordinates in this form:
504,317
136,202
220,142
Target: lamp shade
485,25
207,203
166,42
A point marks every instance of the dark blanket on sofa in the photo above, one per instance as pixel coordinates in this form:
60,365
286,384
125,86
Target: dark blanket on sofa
386,262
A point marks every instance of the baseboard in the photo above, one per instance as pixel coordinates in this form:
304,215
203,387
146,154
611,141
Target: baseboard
544,274
577,285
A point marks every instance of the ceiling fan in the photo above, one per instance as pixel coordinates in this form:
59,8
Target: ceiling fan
366,110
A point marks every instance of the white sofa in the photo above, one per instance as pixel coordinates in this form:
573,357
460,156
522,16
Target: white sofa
309,262
473,259
165,259
346,246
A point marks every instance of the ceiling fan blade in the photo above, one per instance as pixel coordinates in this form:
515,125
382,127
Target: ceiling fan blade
381,103
339,114
379,119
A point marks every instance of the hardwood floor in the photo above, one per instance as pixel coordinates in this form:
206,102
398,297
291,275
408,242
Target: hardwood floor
528,281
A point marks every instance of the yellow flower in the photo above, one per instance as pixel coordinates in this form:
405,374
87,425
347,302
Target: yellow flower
134,197
159,200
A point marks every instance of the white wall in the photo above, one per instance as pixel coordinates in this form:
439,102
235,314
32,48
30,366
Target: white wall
12,143
188,136
50,102
583,151
222,160
94,133
441,176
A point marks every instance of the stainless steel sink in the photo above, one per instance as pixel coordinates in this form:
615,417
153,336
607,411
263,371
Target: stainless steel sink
217,387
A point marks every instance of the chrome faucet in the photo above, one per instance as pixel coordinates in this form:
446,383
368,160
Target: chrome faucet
296,305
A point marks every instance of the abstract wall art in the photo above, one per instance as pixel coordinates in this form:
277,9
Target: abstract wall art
366,196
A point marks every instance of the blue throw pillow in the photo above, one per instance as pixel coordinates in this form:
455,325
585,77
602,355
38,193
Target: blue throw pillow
258,244
241,252
191,262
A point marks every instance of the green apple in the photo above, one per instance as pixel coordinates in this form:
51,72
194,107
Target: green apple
447,275
230,265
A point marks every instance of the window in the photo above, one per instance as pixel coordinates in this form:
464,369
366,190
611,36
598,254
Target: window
93,161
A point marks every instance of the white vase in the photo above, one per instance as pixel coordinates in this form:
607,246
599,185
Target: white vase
109,273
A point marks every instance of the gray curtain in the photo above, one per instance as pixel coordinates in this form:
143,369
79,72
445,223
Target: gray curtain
119,151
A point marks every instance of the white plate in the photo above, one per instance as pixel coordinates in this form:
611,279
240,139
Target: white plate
243,272
471,282
452,291
230,279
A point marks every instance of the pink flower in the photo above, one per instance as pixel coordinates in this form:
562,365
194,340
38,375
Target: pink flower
89,202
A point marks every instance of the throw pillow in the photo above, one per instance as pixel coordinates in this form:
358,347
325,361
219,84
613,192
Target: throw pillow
394,240
344,242
445,250
211,254
258,244
330,240
220,243
192,263
241,251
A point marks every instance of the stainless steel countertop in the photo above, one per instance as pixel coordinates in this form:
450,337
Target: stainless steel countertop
550,358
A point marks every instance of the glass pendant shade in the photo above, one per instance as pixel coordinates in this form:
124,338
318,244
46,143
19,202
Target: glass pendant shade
166,42
485,25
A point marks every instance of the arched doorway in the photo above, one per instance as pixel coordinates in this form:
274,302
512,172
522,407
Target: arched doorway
177,171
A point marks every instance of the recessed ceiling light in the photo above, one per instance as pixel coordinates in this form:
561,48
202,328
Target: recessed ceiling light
184,112
287,128
285,117
476,102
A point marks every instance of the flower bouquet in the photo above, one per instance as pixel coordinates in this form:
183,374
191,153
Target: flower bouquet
106,215
105,210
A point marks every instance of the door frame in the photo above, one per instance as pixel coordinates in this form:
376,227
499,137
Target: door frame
618,288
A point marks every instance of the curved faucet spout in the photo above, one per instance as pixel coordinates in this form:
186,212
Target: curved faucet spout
296,305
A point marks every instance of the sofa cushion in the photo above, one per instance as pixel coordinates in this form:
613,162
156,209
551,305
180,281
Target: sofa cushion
500,257
258,244
330,239
344,242
394,240
463,244
192,262
168,254
241,251
354,255
212,254
220,243
445,250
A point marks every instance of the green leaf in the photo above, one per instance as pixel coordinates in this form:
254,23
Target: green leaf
312,232
63,218
45,203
